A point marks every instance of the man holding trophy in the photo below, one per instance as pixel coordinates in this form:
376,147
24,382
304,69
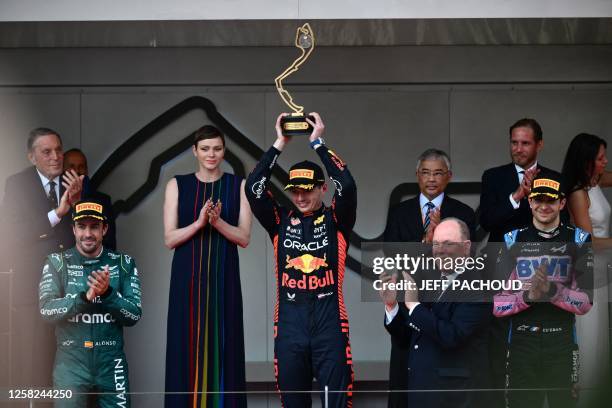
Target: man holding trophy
311,331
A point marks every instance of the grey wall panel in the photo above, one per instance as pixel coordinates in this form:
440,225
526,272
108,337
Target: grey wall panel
328,65
277,33
480,121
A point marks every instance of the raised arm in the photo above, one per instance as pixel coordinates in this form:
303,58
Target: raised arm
344,202
257,188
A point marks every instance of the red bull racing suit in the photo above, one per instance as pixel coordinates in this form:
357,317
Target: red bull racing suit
542,349
90,355
311,330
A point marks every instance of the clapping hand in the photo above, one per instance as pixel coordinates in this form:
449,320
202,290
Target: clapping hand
434,220
98,283
203,216
388,296
411,291
524,188
214,213
539,284
73,184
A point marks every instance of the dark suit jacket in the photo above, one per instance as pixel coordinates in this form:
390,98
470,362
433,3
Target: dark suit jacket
28,235
448,350
405,224
497,215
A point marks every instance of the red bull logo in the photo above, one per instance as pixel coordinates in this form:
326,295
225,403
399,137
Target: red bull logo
309,282
306,263
337,160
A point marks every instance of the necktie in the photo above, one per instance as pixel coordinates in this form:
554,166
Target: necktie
430,206
53,195
521,175
440,291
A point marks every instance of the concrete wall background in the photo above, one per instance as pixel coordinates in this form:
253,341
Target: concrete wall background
382,107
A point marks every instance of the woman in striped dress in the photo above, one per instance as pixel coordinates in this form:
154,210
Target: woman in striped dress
206,215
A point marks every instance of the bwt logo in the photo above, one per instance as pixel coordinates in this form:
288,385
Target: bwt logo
574,302
504,308
559,266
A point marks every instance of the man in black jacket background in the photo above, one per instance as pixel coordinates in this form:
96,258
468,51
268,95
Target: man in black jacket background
414,220
35,222
504,207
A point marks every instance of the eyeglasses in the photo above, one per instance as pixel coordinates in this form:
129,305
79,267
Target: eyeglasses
435,174
447,244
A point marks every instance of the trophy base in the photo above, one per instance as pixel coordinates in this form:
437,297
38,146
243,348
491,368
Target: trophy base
296,125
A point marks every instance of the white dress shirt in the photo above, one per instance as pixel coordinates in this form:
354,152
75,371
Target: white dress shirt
437,202
51,215
390,314
424,200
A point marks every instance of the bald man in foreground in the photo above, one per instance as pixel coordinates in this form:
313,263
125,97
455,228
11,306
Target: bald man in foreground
447,333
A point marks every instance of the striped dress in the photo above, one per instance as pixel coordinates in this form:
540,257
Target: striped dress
205,343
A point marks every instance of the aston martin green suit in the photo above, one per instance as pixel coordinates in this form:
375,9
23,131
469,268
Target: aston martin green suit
90,355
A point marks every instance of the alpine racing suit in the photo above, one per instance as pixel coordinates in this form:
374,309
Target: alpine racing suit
542,348
311,330
89,335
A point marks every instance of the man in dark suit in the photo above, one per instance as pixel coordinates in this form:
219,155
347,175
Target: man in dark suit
76,160
35,222
504,207
447,334
503,199
409,220
415,220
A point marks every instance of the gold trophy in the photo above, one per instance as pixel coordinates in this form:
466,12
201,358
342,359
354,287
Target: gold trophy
295,123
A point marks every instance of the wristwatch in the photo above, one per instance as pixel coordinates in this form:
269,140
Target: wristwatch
317,142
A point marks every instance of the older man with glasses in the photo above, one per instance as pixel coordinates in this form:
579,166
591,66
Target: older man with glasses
415,220
445,328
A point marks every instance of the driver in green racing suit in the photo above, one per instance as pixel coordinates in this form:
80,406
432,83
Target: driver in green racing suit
90,293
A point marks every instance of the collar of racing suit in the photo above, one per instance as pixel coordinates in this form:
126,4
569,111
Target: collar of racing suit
549,234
